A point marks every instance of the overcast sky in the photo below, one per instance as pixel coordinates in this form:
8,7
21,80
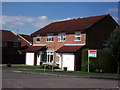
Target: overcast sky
27,17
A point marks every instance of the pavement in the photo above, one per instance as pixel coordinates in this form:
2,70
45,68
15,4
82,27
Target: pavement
62,74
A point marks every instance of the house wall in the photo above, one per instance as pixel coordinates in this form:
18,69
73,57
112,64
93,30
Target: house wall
99,33
10,53
56,45
23,42
78,60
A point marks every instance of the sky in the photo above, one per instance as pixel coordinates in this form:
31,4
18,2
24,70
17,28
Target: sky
28,17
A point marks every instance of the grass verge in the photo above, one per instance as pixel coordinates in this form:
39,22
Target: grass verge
37,68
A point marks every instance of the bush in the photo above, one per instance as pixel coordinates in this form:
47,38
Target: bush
103,63
92,66
49,67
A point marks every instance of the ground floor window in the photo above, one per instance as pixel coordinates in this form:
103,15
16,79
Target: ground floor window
50,56
57,58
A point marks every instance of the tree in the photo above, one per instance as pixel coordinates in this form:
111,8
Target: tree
115,45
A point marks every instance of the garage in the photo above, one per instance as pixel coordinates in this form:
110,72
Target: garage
68,61
29,58
33,55
70,57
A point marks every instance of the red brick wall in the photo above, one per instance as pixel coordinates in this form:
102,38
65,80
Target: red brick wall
56,45
100,32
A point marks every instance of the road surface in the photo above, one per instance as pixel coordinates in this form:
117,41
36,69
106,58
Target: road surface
17,79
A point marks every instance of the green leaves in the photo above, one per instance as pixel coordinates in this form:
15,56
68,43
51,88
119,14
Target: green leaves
115,44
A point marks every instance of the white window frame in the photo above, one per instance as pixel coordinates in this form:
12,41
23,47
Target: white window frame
49,54
61,38
38,37
57,58
76,36
50,38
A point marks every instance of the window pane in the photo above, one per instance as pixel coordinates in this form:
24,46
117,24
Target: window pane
50,37
77,38
37,39
61,37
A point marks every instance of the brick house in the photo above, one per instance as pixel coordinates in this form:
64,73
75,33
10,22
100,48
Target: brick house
10,45
64,40
25,40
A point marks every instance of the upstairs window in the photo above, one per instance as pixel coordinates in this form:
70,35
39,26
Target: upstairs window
61,37
4,44
50,37
38,38
77,36
16,44
105,45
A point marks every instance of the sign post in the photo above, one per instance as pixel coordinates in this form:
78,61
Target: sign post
92,54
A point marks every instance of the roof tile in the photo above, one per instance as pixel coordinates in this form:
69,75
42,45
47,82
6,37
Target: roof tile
69,25
68,49
8,35
27,37
34,48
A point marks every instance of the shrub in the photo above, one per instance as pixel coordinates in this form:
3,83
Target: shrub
92,66
49,67
103,63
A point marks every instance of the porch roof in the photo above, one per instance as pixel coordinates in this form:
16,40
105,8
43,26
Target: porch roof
69,49
34,48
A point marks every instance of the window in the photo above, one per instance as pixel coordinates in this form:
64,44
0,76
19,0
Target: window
50,37
4,44
105,45
57,58
38,38
50,56
15,44
61,37
77,36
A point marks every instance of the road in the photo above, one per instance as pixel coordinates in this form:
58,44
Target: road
17,79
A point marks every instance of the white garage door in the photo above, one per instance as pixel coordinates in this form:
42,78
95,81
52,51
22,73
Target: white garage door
29,58
68,61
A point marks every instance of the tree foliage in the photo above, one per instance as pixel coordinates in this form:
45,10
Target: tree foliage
115,44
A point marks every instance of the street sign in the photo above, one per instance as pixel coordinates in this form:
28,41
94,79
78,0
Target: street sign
92,53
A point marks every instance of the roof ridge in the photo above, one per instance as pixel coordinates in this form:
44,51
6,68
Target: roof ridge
24,34
79,18
6,30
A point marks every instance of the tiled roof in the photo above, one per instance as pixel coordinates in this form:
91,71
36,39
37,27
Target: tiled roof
8,35
69,49
34,48
71,25
27,37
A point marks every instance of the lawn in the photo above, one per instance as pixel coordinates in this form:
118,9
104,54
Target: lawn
38,68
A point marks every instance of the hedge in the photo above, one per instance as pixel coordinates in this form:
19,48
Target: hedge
103,63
